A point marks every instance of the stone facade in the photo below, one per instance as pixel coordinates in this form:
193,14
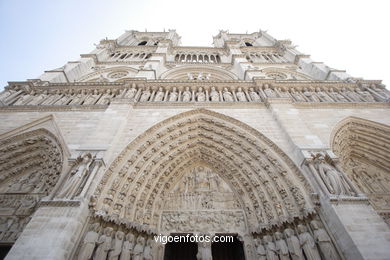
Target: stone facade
143,137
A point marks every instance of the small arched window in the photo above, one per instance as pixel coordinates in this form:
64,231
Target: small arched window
248,44
142,43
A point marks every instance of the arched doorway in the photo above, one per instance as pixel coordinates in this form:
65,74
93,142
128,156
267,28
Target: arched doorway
183,248
202,172
228,250
363,147
30,166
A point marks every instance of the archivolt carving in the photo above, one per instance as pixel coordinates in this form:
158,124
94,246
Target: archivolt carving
364,149
269,187
30,165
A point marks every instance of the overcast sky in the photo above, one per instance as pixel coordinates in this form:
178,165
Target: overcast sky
41,35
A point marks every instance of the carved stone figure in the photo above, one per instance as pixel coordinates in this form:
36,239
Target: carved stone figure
312,97
77,176
148,250
254,96
365,96
281,247
323,96
187,95
117,246
269,92
260,250
105,99
240,95
333,179
297,96
103,244
145,95
89,242
54,96
127,249
77,99
351,94
138,253
270,248
189,76
173,95
130,94
307,244
337,96
214,95
294,246
324,242
200,95
227,96
92,97
159,95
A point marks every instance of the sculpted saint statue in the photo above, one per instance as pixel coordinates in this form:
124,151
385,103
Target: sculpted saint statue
260,250
254,96
227,96
159,95
117,246
270,248
307,244
324,242
89,242
148,250
173,95
145,95
200,96
214,95
323,96
332,178
269,92
104,245
294,247
281,247
138,252
77,176
187,95
240,95
127,249
130,94
312,97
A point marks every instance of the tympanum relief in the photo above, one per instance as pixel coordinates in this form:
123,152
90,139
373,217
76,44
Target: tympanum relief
202,202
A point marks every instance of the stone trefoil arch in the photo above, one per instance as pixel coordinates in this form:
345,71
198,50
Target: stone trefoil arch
269,186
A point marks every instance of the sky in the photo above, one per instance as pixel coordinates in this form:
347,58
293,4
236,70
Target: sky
42,35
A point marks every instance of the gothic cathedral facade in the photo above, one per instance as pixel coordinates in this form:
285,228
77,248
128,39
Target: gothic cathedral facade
143,136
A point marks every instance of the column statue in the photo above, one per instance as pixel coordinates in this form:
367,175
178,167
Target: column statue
89,242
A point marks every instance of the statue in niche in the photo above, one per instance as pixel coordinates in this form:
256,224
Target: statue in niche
297,96
337,96
260,250
173,95
227,96
322,95
89,242
103,245
310,95
24,99
281,247
77,98
127,249
200,76
333,179
130,93
64,99
269,92
214,95
365,95
189,76
91,98
117,246
351,94
40,97
254,96
293,244
240,95
324,242
148,250
159,95
270,248
105,99
283,93
308,244
187,95
138,252
145,95
54,95
78,174
200,95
